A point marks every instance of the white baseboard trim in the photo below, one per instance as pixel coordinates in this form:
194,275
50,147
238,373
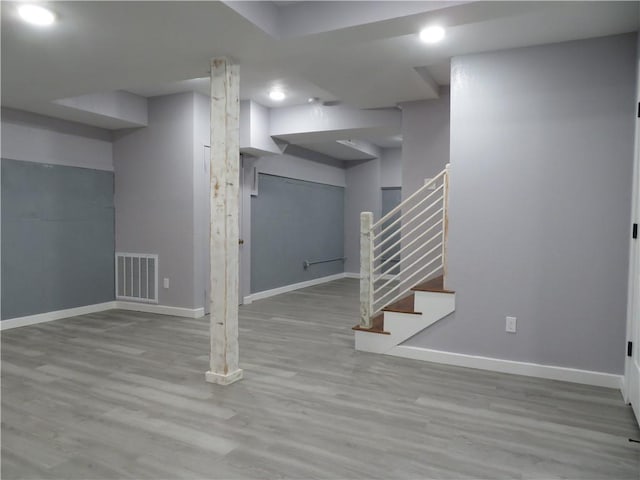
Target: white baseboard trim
222,379
351,275
160,309
290,288
100,307
57,315
565,374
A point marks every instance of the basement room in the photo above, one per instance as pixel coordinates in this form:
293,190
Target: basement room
311,239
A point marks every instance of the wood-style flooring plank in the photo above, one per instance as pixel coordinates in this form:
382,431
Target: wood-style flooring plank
122,394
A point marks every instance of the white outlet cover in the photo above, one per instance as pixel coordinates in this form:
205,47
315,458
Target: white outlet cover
165,282
511,323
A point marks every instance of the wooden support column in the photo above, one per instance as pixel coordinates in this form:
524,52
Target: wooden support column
223,226
366,269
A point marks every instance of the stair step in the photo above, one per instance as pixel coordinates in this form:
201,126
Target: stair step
433,285
404,305
377,326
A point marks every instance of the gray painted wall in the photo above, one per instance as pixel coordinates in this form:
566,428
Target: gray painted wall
36,138
391,168
116,109
425,141
293,221
154,195
57,237
362,195
297,163
302,164
541,153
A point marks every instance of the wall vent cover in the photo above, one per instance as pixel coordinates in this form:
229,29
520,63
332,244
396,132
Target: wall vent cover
137,277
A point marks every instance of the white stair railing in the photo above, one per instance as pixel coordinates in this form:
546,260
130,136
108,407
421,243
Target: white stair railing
404,248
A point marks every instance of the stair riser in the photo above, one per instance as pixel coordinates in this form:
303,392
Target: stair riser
434,305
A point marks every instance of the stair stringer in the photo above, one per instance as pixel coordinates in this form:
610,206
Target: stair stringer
433,306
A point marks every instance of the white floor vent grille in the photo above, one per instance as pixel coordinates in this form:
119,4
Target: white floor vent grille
137,277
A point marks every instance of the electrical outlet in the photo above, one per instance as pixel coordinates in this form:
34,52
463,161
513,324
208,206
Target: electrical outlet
511,325
165,282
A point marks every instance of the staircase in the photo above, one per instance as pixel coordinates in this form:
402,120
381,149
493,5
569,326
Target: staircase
403,269
425,305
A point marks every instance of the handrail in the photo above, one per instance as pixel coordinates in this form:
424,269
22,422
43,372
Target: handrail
408,199
411,210
422,224
399,295
409,244
384,239
375,290
306,264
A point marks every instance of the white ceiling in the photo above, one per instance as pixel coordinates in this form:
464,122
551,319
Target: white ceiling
361,53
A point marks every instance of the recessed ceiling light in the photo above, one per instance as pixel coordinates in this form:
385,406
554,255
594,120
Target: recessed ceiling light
36,15
432,34
277,95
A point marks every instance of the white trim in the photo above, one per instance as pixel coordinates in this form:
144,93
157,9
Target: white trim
57,315
161,309
100,307
221,379
565,374
289,288
351,275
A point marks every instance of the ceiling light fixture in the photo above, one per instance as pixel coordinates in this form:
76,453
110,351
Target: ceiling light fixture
432,34
277,95
36,15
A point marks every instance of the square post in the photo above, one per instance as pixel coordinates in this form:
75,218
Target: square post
366,269
224,228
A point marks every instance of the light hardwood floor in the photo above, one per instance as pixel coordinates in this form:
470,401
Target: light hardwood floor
122,395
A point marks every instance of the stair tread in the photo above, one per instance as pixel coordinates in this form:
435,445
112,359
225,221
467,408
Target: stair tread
433,285
404,305
377,326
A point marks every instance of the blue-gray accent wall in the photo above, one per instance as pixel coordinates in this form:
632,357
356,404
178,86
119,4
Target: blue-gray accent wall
293,221
57,237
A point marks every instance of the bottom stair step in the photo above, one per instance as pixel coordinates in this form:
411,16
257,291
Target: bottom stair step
377,326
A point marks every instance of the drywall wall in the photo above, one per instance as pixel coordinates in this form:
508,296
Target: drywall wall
363,194
541,155
57,237
255,138
391,168
316,123
293,221
117,109
425,140
154,194
301,164
297,163
36,138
